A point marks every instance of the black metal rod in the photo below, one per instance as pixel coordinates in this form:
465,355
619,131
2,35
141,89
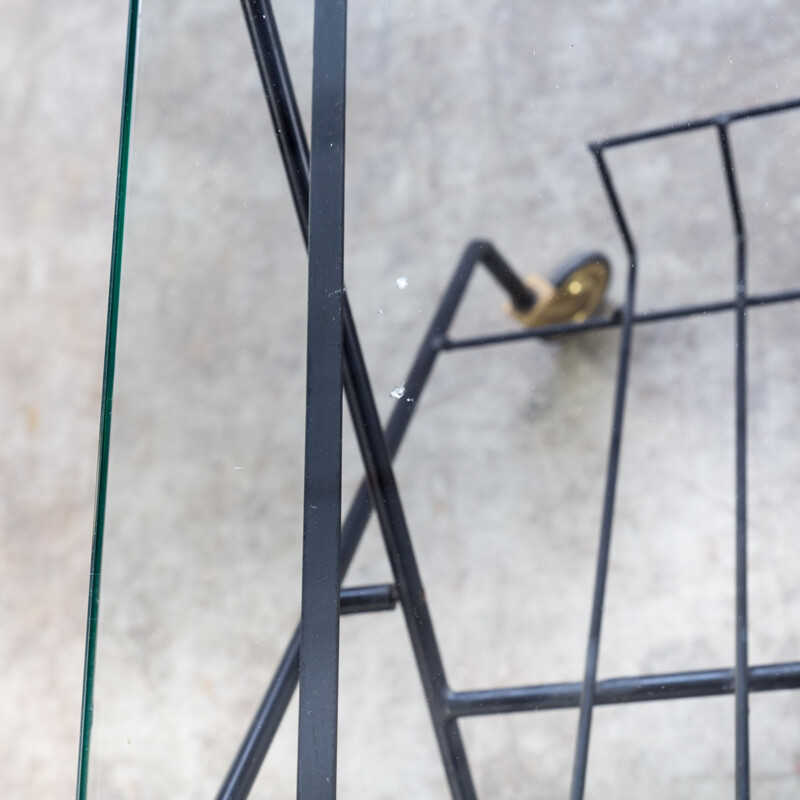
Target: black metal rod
477,252
696,124
742,674
642,688
282,102
593,646
250,756
319,620
383,487
522,296
365,599
641,318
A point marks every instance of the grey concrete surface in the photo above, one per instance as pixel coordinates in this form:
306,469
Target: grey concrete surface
462,122
60,80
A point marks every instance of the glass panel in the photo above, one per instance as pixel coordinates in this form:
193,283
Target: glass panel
461,125
200,573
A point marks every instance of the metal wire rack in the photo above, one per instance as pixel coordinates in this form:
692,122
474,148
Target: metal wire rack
311,654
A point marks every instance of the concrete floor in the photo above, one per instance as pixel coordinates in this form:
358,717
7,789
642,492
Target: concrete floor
459,125
60,80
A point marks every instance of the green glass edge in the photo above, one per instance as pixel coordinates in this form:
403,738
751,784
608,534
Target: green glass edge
87,706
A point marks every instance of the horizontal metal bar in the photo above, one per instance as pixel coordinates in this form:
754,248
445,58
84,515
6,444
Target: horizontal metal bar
670,686
615,321
695,124
362,599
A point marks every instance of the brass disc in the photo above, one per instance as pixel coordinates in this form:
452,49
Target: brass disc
572,295
579,294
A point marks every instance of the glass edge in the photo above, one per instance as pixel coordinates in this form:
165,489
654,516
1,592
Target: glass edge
87,703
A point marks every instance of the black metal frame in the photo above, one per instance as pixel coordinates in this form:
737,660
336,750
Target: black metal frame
312,652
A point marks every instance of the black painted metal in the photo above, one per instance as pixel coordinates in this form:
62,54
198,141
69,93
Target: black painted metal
643,688
742,673
383,488
697,124
286,119
319,620
615,320
614,450
379,488
363,599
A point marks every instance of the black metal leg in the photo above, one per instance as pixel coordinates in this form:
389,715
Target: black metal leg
319,621
590,675
386,499
742,672
319,631
282,103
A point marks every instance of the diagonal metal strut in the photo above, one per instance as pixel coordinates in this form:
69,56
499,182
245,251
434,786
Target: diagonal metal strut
377,451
